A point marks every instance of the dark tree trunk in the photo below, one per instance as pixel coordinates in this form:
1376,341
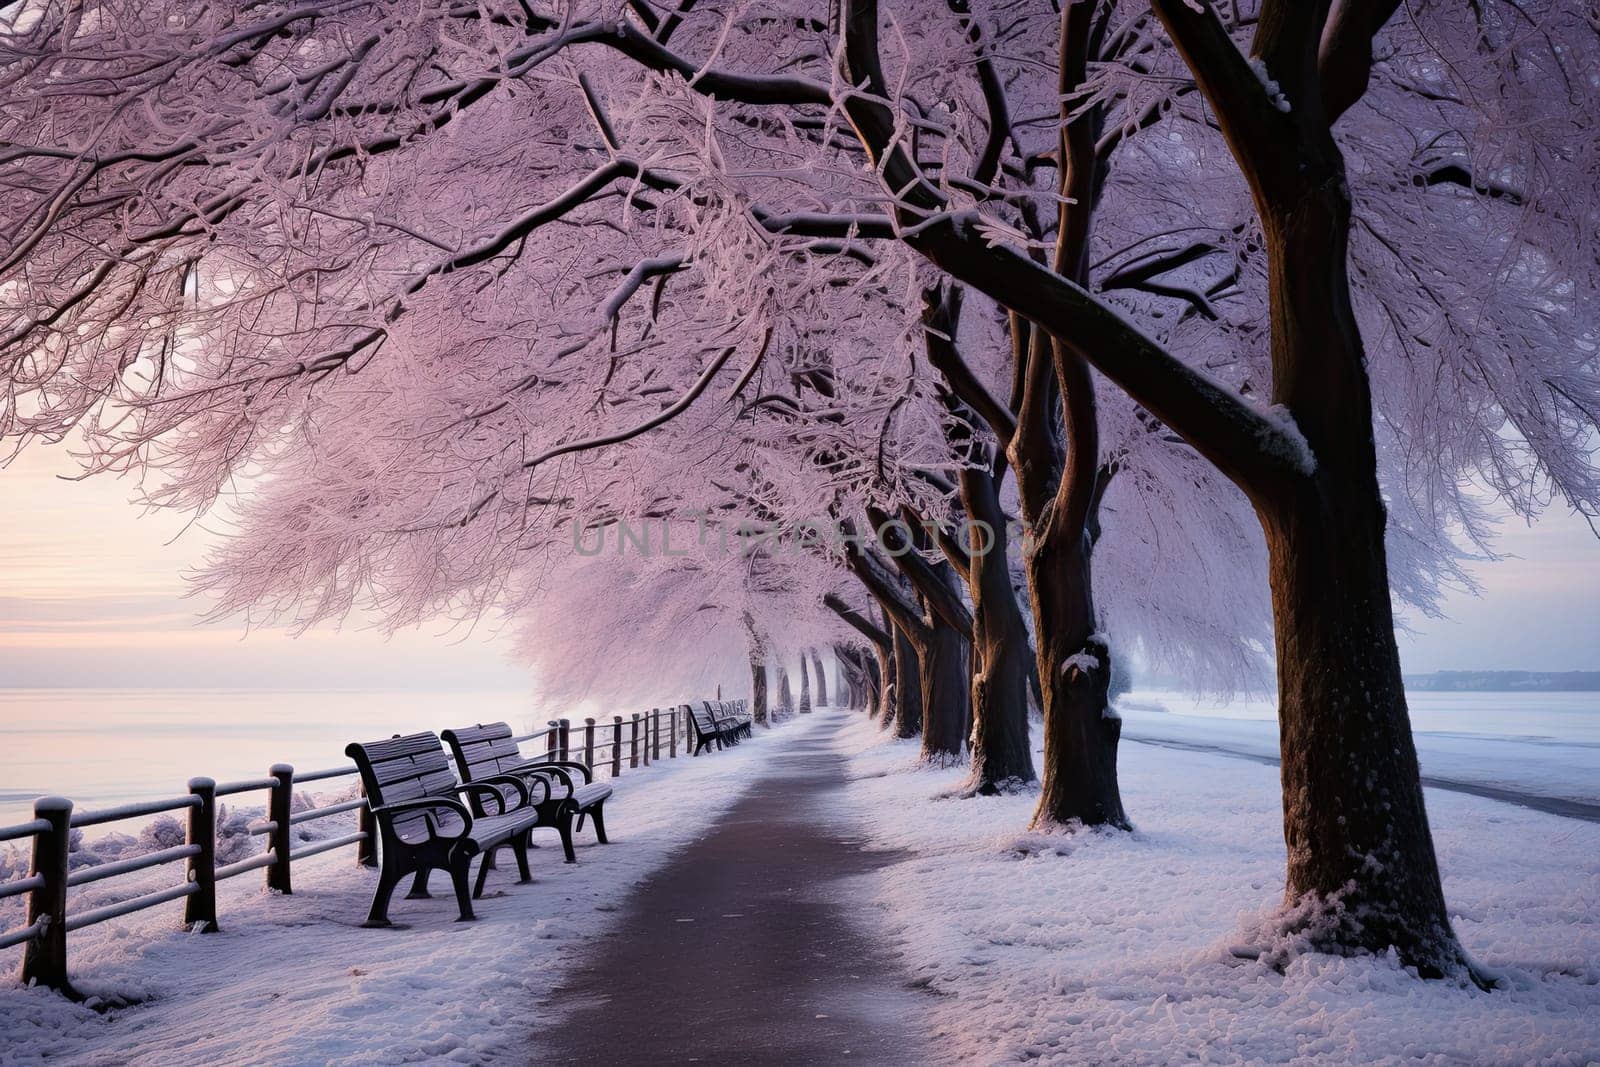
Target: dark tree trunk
1072,658
822,679
849,678
1000,753
871,671
758,671
1001,657
758,691
943,661
1080,731
1354,821
907,688
1353,816
1362,873
878,683
785,694
805,685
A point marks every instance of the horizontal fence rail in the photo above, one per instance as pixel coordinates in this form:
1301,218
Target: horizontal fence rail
599,745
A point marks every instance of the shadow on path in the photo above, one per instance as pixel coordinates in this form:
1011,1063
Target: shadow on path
739,950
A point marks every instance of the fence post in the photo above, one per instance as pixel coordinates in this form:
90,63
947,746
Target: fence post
201,905
633,752
278,841
588,744
367,847
616,746
566,740
550,739
655,734
44,957
672,733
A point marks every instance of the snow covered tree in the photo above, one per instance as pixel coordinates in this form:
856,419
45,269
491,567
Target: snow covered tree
402,272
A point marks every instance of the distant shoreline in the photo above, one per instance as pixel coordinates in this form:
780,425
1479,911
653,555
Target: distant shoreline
1504,682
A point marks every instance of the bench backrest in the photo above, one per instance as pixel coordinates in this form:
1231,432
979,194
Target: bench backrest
484,750
404,768
705,722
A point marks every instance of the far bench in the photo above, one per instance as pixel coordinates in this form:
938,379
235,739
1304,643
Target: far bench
488,754
717,722
423,825
734,713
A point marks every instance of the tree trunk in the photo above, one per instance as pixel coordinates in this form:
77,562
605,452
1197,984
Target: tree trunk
822,679
1360,848
907,704
758,689
758,671
1080,731
805,685
849,681
785,694
943,662
878,674
1073,662
999,740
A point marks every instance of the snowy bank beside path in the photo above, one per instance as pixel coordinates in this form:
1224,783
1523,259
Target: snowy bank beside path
297,980
1091,948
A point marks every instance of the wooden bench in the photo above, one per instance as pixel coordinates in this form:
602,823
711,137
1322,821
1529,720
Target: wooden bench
719,722
736,718
423,824
706,730
487,753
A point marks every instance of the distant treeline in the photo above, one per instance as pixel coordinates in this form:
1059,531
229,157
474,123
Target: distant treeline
1502,681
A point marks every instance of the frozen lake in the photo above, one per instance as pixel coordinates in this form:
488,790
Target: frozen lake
106,746
1542,743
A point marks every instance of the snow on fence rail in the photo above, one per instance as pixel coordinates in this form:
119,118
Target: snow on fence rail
44,935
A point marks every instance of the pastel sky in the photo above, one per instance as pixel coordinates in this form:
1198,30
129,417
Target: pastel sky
92,594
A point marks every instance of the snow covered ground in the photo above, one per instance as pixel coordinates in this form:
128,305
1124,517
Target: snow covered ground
1543,744
1095,948
1079,948
296,980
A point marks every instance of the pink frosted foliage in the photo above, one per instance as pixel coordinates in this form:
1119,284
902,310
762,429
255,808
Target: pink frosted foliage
403,296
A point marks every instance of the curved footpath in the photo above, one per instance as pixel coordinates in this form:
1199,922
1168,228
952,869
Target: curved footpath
741,950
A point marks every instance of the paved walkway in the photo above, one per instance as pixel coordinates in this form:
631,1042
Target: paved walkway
739,951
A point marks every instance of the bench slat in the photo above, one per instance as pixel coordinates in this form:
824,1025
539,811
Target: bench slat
396,747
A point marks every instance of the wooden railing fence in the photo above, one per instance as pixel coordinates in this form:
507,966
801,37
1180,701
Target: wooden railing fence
48,921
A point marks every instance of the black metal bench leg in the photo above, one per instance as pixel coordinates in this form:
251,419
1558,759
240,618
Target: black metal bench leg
483,874
379,915
578,828
519,846
564,828
419,885
599,817
461,876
